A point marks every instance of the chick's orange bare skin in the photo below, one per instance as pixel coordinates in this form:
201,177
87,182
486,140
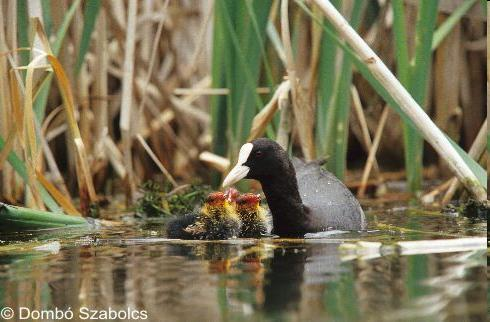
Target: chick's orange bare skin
256,220
232,194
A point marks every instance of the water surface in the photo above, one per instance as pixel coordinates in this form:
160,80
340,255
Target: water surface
136,268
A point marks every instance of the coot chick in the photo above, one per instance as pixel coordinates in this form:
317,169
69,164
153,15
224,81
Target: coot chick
303,198
256,220
216,220
176,226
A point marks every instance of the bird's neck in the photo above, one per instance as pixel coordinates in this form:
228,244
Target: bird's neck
288,213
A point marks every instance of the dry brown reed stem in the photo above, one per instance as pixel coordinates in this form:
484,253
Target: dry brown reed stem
429,197
63,200
372,152
302,110
127,97
84,178
285,120
476,150
101,126
190,110
201,42
7,174
31,151
356,100
488,58
86,187
115,156
157,162
9,143
263,118
216,161
152,58
406,102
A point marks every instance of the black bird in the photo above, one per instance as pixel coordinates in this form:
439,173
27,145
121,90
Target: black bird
303,198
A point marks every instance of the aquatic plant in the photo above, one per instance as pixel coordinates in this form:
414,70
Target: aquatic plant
160,200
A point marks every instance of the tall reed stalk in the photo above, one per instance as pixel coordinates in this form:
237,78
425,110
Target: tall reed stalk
237,60
414,74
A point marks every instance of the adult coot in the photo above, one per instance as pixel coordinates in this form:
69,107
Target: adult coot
303,197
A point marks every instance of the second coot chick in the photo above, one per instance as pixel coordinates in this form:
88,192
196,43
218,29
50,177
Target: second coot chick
256,220
216,220
303,198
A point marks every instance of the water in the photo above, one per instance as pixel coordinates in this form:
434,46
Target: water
247,280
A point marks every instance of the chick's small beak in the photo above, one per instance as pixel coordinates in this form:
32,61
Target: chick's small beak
236,174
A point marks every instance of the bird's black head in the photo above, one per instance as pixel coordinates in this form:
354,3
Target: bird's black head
261,159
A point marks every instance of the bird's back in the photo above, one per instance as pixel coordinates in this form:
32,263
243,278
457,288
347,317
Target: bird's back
330,203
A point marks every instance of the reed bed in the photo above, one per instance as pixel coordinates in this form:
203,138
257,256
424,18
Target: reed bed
97,97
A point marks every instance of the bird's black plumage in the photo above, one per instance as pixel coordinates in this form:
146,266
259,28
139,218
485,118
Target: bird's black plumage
176,226
302,197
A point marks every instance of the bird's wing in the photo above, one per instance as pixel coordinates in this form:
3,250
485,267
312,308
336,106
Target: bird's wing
329,201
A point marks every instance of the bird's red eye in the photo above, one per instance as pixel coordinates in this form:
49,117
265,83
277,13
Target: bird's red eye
258,153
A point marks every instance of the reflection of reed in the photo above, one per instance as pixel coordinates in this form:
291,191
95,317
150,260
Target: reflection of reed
458,288
452,288
171,287
379,285
139,277
322,267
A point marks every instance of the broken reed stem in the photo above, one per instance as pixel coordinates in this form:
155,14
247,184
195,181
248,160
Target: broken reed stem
372,152
406,102
476,150
127,97
155,159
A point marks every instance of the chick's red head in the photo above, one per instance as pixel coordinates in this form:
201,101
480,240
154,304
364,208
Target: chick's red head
215,199
248,201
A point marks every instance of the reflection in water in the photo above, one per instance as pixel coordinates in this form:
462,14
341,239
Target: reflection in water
287,264
259,280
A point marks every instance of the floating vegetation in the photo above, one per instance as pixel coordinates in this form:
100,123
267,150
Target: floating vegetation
472,209
476,209
160,200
